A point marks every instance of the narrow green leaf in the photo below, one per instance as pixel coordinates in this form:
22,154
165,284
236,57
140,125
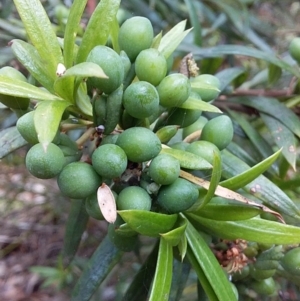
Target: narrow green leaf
283,137
40,32
86,69
174,236
209,265
187,160
254,229
9,86
98,28
215,178
47,118
64,87
222,50
197,104
274,74
182,247
167,132
274,108
140,285
147,222
262,188
96,270
114,34
173,38
163,273
71,30
10,140
254,136
230,212
197,30
75,226
241,180
83,101
206,286
240,152
227,75
31,60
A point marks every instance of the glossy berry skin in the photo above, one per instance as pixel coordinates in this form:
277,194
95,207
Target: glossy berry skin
109,161
45,164
78,180
291,261
294,49
134,198
112,65
218,131
139,144
174,90
151,66
141,100
177,197
135,35
164,169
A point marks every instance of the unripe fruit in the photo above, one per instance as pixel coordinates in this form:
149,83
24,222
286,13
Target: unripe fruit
177,197
135,35
164,169
218,131
92,207
112,65
139,144
210,88
174,90
291,261
180,145
196,126
26,128
45,164
141,99
182,117
78,180
17,103
109,161
134,197
294,49
259,274
204,149
151,66
264,287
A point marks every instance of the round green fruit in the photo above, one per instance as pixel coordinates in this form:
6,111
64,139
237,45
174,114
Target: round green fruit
182,117
180,145
45,164
164,169
78,180
135,35
134,198
291,261
14,102
139,144
112,65
294,49
208,86
264,287
151,66
259,274
109,161
141,100
92,207
196,126
218,131
26,128
174,90
177,197
204,149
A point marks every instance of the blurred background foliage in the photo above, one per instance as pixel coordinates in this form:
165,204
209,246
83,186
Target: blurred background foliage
265,26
